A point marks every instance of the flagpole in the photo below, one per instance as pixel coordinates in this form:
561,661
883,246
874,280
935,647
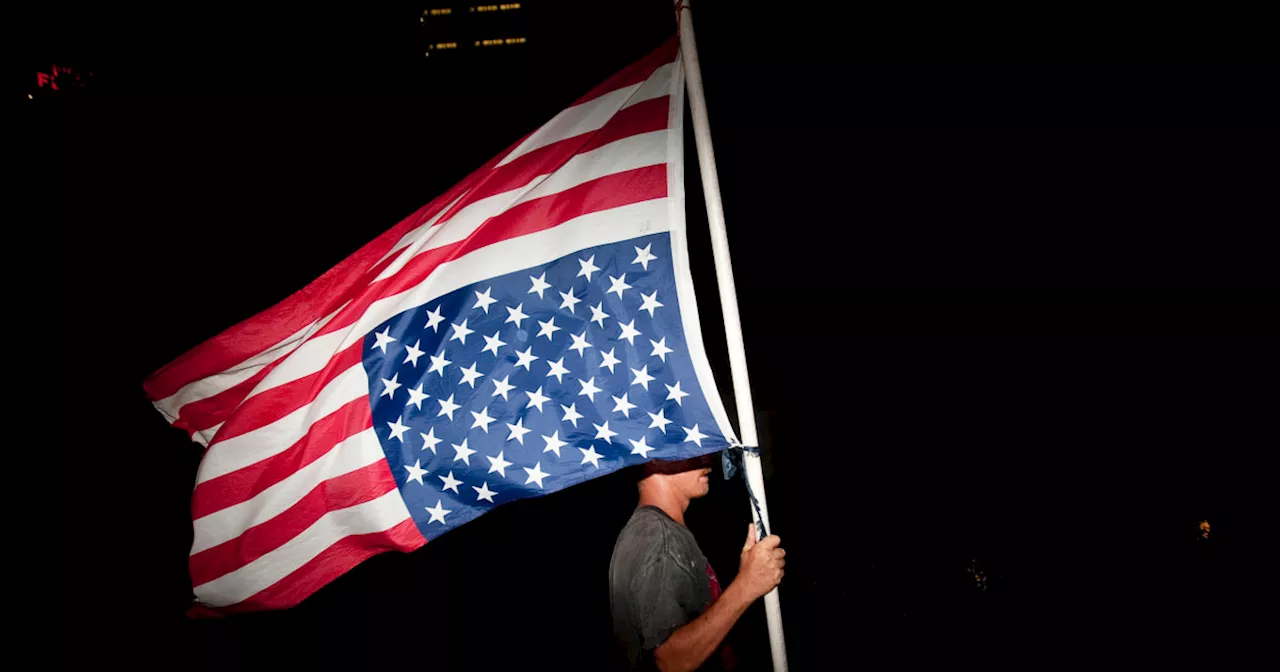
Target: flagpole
729,307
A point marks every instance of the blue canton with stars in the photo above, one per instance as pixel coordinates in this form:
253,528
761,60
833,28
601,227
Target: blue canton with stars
533,381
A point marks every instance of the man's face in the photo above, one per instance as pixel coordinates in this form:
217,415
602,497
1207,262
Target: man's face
693,484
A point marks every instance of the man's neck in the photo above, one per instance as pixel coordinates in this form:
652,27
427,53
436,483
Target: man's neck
670,504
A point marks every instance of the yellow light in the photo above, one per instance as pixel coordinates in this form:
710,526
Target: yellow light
30,97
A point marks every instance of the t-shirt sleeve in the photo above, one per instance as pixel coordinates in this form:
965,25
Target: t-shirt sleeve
665,594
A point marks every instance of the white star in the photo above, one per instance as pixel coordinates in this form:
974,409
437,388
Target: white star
450,483
389,386
580,344
484,300
659,420
434,318
416,396
554,444
526,358
412,353
640,448
438,362
603,431
598,314
571,414
470,375
588,267
618,285
498,464
447,407
502,387
537,399
660,348
493,343
384,337
540,285
642,377
643,256
460,332
610,360
482,420
416,472
462,453
589,389
650,302
589,454
674,392
429,439
621,404
692,434
483,492
515,315
569,300
548,328
438,513
557,370
397,429
535,474
629,332
518,431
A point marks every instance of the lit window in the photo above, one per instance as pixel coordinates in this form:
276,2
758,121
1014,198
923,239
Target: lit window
444,11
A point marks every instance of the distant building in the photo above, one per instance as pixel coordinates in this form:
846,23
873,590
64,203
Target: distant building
449,31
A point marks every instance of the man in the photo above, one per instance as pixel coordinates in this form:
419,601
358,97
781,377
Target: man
668,610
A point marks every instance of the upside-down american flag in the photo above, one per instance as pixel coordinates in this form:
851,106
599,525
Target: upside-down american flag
533,327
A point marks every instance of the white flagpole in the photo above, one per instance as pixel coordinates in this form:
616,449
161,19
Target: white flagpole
729,306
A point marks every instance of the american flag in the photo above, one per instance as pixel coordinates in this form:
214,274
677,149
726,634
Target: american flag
531,328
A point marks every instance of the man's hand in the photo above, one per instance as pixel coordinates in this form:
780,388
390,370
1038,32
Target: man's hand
761,563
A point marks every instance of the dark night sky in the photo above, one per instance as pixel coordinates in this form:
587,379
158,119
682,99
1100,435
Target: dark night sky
1001,286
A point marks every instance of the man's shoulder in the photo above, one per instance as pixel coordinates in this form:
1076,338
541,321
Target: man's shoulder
647,529
652,536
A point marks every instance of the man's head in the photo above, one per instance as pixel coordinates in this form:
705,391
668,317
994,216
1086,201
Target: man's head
683,479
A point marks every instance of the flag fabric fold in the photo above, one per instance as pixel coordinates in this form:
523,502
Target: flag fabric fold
533,327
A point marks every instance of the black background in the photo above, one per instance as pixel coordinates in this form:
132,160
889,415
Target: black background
999,277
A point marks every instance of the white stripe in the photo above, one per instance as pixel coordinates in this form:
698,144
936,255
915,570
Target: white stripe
224,457
356,452
378,515
637,151
204,436
417,231
217,383
594,113
680,258
590,230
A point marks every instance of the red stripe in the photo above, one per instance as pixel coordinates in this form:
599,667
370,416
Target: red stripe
357,487
271,405
244,484
643,117
325,567
636,72
209,411
540,214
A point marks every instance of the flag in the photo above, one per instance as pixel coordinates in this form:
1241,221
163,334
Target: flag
533,327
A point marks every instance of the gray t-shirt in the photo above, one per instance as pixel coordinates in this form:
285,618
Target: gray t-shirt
658,582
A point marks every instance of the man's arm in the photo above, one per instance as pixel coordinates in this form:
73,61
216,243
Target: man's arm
759,570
